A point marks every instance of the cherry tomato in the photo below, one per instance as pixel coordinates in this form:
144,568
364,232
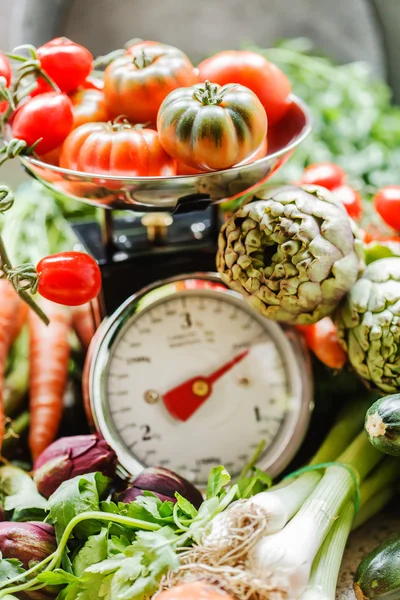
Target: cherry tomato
69,278
210,127
253,71
5,69
351,199
48,116
116,149
322,339
66,63
136,84
387,205
89,106
328,175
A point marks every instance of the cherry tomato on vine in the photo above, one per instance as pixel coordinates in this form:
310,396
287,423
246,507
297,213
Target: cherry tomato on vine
328,175
136,84
387,205
210,127
69,278
47,117
116,149
351,199
68,64
89,106
252,70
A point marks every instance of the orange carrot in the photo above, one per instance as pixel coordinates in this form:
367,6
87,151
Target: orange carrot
13,312
48,362
322,339
84,323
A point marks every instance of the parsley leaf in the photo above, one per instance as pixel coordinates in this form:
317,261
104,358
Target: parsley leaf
94,550
217,481
74,497
9,568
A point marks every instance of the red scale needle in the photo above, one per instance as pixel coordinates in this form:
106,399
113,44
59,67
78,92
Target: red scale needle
184,399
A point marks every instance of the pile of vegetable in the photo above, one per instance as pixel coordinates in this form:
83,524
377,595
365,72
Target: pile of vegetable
312,254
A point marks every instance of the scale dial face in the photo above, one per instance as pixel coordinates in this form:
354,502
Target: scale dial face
188,376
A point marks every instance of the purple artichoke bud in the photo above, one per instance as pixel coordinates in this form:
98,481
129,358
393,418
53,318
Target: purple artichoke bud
27,541
69,457
163,483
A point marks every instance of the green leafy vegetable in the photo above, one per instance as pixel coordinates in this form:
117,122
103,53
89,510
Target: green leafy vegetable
9,568
218,479
20,498
76,496
94,550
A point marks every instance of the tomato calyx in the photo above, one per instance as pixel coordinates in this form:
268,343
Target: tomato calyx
121,122
211,93
143,60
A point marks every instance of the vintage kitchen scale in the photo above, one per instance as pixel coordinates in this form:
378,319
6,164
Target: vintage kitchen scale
183,373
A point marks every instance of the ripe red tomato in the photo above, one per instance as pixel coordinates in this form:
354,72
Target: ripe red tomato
116,149
351,199
89,106
69,278
47,117
387,205
66,63
5,69
211,127
328,175
253,71
136,84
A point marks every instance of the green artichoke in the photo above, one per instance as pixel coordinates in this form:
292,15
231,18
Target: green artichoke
369,324
291,252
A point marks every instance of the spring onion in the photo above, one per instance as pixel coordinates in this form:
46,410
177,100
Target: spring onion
325,568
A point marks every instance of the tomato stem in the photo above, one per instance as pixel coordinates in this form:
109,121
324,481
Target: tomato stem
211,93
23,277
104,61
142,60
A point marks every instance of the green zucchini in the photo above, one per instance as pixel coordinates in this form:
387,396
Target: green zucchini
382,424
378,574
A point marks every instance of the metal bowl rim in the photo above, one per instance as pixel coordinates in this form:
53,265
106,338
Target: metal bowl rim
237,169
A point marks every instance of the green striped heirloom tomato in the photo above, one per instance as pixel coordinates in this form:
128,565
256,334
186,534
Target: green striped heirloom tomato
136,84
116,149
210,127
